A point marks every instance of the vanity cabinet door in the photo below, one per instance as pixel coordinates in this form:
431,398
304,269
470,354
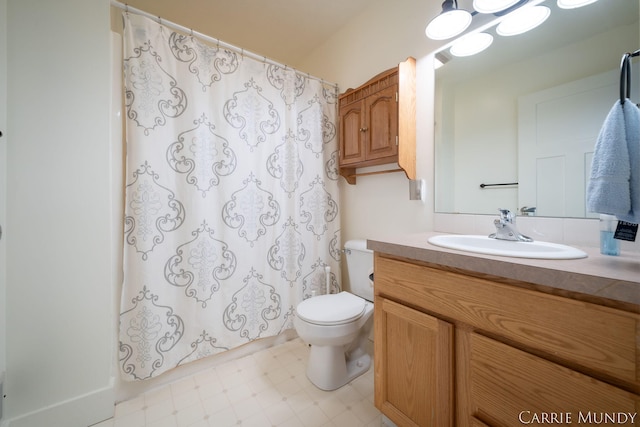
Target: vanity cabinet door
413,366
509,387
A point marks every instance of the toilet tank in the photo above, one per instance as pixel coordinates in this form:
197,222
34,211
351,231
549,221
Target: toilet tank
360,268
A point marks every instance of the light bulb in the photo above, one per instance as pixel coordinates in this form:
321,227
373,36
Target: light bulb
448,24
572,4
471,44
522,20
492,6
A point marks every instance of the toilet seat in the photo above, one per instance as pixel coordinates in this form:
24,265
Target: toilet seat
332,309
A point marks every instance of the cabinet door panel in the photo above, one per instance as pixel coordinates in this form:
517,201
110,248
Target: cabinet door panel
351,134
382,124
511,387
413,365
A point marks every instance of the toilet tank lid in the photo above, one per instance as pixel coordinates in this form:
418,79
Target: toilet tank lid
357,245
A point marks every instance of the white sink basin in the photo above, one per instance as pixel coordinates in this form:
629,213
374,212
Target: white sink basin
487,246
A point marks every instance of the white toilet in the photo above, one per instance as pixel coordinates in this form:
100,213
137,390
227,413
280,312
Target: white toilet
337,326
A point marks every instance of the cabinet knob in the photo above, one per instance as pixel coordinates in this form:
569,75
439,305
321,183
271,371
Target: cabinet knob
364,129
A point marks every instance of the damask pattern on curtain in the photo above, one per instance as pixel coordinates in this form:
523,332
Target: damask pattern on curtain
231,210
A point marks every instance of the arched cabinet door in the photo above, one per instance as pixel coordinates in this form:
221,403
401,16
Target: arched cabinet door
381,131
352,142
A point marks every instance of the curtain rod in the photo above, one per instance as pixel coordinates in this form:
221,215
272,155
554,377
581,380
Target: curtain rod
217,42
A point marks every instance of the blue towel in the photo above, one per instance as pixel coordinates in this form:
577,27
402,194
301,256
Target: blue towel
614,185
632,119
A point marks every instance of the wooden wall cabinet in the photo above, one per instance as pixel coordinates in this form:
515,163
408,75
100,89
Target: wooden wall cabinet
482,351
378,122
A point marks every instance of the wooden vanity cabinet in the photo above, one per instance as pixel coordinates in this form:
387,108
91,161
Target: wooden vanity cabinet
483,351
377,122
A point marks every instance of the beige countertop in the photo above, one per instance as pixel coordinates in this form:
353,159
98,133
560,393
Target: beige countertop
609,280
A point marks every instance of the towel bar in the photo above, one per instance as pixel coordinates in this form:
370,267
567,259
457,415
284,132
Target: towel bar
497,185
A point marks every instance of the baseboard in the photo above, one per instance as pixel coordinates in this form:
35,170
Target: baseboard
81,411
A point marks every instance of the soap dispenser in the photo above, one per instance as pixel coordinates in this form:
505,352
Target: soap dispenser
608,244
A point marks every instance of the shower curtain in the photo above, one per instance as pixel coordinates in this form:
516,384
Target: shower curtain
231,203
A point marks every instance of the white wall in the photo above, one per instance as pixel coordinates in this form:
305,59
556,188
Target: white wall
385,34
3,186
381,37
59,310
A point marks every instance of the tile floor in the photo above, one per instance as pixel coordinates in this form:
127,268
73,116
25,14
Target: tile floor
266,389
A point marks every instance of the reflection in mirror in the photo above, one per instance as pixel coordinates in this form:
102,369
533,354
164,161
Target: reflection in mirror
528,111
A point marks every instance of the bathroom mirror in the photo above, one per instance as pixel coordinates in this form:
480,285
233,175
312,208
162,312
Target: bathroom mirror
526,112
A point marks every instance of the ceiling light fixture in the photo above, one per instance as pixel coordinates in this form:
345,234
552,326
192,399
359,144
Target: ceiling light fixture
573,4
471,44
451,22
523,20
493,6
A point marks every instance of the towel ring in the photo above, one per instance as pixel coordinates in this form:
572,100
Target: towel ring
625,76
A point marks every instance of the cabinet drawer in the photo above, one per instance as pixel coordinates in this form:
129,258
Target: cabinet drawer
601,339
510,387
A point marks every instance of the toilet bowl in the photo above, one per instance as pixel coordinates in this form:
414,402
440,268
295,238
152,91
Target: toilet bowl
337,326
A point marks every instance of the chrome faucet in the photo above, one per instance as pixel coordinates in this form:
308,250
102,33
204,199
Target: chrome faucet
506,228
